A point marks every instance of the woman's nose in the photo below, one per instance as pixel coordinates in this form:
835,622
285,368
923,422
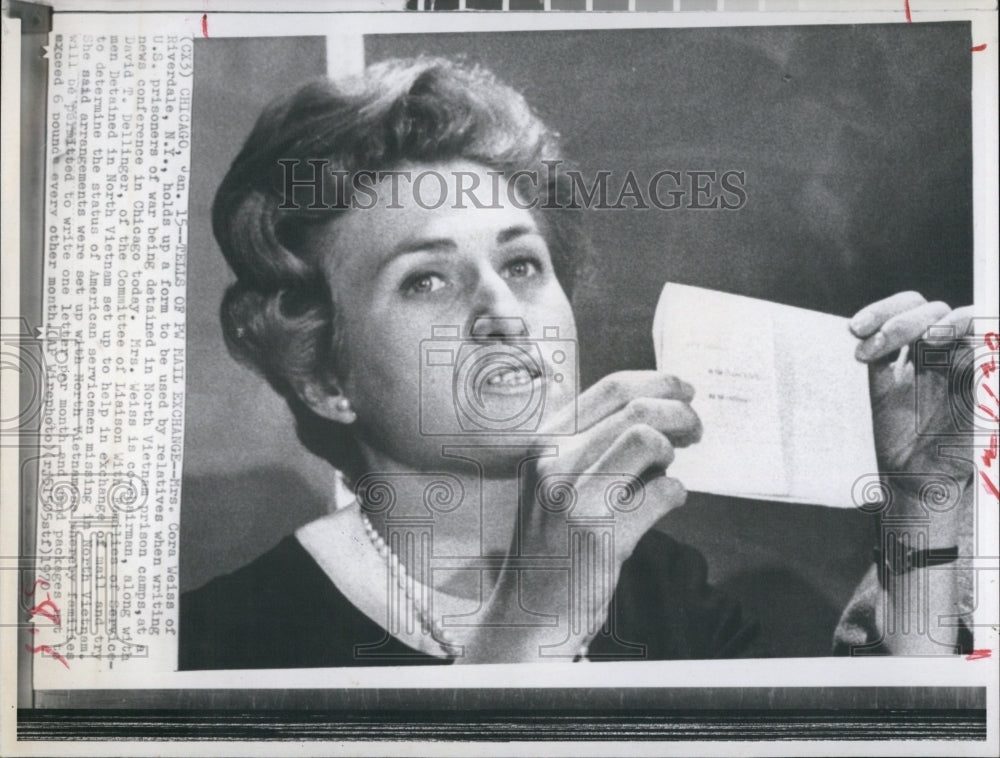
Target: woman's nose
497,312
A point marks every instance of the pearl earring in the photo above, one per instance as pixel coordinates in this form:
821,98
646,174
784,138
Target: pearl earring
343,404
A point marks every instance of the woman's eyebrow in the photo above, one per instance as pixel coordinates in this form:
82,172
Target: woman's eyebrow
513,232
418,245
447,244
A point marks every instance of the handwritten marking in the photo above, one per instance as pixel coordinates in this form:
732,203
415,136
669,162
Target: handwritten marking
978,48
990,486
991,451
53,653
48,609
989,368
976,655
986,409
906,9
204,24
989,457
31,590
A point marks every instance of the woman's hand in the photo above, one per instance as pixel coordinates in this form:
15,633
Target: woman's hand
911,405
609,478
628,425
913,411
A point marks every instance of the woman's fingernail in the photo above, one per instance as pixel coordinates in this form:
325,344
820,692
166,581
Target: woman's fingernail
875,344
870,347
938,334
863,322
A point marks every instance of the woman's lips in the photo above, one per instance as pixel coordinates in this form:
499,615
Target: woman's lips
510,377
509,380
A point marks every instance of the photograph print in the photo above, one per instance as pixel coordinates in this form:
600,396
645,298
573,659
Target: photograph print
578,346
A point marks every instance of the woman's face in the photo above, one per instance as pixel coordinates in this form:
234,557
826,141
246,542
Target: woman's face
453,327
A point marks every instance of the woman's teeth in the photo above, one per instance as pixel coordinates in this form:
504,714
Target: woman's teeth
509,378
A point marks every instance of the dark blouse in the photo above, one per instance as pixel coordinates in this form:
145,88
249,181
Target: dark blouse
282,611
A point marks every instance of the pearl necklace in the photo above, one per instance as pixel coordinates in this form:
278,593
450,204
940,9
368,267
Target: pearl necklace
403,580
439,634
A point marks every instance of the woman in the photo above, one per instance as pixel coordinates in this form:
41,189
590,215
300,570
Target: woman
522,535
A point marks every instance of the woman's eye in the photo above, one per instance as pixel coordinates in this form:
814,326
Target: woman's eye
522,267
423,284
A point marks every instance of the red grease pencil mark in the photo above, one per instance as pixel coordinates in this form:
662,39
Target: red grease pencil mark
31,590
204,24
996,401
991,452
978,48
990,486
906,9
63,661
48,609
975,655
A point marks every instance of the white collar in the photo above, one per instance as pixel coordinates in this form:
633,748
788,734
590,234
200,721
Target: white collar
342,549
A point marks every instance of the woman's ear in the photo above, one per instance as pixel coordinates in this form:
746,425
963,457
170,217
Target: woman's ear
327,400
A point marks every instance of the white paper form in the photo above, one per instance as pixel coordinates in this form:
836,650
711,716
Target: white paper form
784,404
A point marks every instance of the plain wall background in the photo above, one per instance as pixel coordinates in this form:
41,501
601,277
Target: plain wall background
247,482
856,143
